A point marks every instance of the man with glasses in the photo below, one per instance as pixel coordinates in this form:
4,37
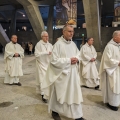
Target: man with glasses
110,72
43,51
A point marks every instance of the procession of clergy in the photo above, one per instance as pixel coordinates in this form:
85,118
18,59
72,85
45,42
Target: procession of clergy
62,69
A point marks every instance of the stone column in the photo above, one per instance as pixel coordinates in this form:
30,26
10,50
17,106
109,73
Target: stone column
93,22
3,37
34,16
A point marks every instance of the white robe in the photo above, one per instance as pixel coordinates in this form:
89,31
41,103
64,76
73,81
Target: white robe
62,86
42,50
110,74
88,72
13,65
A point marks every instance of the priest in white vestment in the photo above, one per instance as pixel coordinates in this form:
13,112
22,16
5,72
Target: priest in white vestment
89,72
62,84
13,56
43,51
110,72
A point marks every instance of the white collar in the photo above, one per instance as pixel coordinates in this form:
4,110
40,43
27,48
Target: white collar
88,45
68,42
44,43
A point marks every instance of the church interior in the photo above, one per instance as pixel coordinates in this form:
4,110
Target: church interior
27,19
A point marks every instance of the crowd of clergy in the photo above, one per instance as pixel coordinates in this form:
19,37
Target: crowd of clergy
61,71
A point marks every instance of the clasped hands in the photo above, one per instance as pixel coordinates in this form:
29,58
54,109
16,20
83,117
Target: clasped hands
92,60
50,53
16,55
74,60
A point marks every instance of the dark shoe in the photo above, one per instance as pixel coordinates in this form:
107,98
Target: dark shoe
97,87
43,99
84,86
55,116
19,84
112,107
80,119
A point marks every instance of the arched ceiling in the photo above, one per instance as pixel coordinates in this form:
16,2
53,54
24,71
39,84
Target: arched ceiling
7,6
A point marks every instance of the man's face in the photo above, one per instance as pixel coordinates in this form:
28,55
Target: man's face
45,37
90,41
14,39
68,33
117,38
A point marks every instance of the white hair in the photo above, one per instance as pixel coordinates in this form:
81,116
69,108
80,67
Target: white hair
116,33
43,32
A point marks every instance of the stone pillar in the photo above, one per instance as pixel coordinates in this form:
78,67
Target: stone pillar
34,16
12,29
3,37
92,18
50,23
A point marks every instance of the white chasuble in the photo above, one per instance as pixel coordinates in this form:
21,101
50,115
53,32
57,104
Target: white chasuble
109,64
13,65
42,50
62,84
88,72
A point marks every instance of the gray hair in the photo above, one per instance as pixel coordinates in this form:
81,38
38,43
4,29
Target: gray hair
44,32
65,27
116,33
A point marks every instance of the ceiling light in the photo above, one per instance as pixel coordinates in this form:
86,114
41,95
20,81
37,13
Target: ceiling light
23,15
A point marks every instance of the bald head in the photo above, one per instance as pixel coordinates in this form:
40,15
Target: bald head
14,38
116,36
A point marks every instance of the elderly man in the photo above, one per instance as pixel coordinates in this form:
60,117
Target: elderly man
89,73
13,62
43,51
62,85
110,72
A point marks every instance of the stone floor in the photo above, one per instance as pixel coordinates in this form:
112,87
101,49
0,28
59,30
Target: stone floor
22,103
